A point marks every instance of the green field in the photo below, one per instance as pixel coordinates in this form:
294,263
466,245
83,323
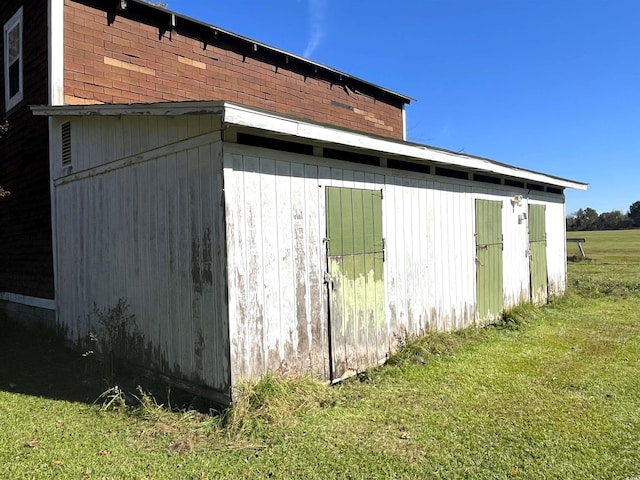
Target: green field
552,393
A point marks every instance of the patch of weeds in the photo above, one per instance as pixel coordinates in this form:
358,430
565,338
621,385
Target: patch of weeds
183,430
419,350
599,287
517,317
112,399
579,259
114,336
274,400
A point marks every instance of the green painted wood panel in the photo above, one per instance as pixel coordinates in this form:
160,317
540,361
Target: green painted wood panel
538,253
334,221
356,289
358,221
346,212
489,275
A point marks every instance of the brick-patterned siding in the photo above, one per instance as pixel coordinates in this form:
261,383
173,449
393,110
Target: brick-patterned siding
116,57
26,265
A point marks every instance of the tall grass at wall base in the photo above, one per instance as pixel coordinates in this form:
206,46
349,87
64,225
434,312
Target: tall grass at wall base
274,400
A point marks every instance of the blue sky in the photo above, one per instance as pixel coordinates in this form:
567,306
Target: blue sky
549,85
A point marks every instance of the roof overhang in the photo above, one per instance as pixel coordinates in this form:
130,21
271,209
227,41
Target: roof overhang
234,115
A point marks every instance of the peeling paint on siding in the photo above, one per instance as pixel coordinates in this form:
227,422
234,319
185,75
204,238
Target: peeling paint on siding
145,231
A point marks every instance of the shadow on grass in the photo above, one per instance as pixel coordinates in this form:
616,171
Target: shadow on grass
35,362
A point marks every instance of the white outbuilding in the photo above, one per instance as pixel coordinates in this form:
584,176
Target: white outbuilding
245,241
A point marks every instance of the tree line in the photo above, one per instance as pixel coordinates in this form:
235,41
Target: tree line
589,219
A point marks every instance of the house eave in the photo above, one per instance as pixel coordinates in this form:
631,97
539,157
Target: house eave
234,115
211,34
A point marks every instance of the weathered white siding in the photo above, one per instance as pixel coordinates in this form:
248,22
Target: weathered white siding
98,140
430,275
276,223
556,242
220,248
515,230
140,218
276,261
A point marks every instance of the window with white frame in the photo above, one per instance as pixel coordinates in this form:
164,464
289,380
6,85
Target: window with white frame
13,61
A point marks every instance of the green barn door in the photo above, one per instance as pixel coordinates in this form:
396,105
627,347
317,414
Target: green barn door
489,258
538,253
355,254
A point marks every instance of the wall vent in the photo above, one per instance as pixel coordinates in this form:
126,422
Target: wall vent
66,143
410,166
536,187
451,173
274,144
479,177
513,183
350,156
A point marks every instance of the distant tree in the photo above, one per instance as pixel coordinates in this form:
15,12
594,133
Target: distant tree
586,219
572,222
4,127
634,214
614,220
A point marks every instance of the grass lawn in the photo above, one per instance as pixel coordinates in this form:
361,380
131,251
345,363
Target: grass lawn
555,393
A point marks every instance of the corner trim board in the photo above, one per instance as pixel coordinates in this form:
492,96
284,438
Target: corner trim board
56,52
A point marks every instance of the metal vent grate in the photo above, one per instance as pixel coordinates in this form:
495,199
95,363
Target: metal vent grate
66,143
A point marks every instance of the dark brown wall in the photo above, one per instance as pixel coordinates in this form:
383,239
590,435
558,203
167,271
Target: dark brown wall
114,59
26,265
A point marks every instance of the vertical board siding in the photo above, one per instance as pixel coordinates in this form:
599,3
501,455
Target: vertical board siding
156,227
516,250
538,253
150,232
356,284
429,269
556,244
489,258
429,257
275,253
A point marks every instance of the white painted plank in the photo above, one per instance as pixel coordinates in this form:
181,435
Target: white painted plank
300,259
270,264
284,234
316,266
253,253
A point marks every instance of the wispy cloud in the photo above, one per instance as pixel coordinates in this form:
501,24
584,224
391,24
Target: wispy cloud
317,9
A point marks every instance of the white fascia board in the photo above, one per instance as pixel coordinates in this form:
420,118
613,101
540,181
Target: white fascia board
56,52
241,116
404,123
156,109
245,117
